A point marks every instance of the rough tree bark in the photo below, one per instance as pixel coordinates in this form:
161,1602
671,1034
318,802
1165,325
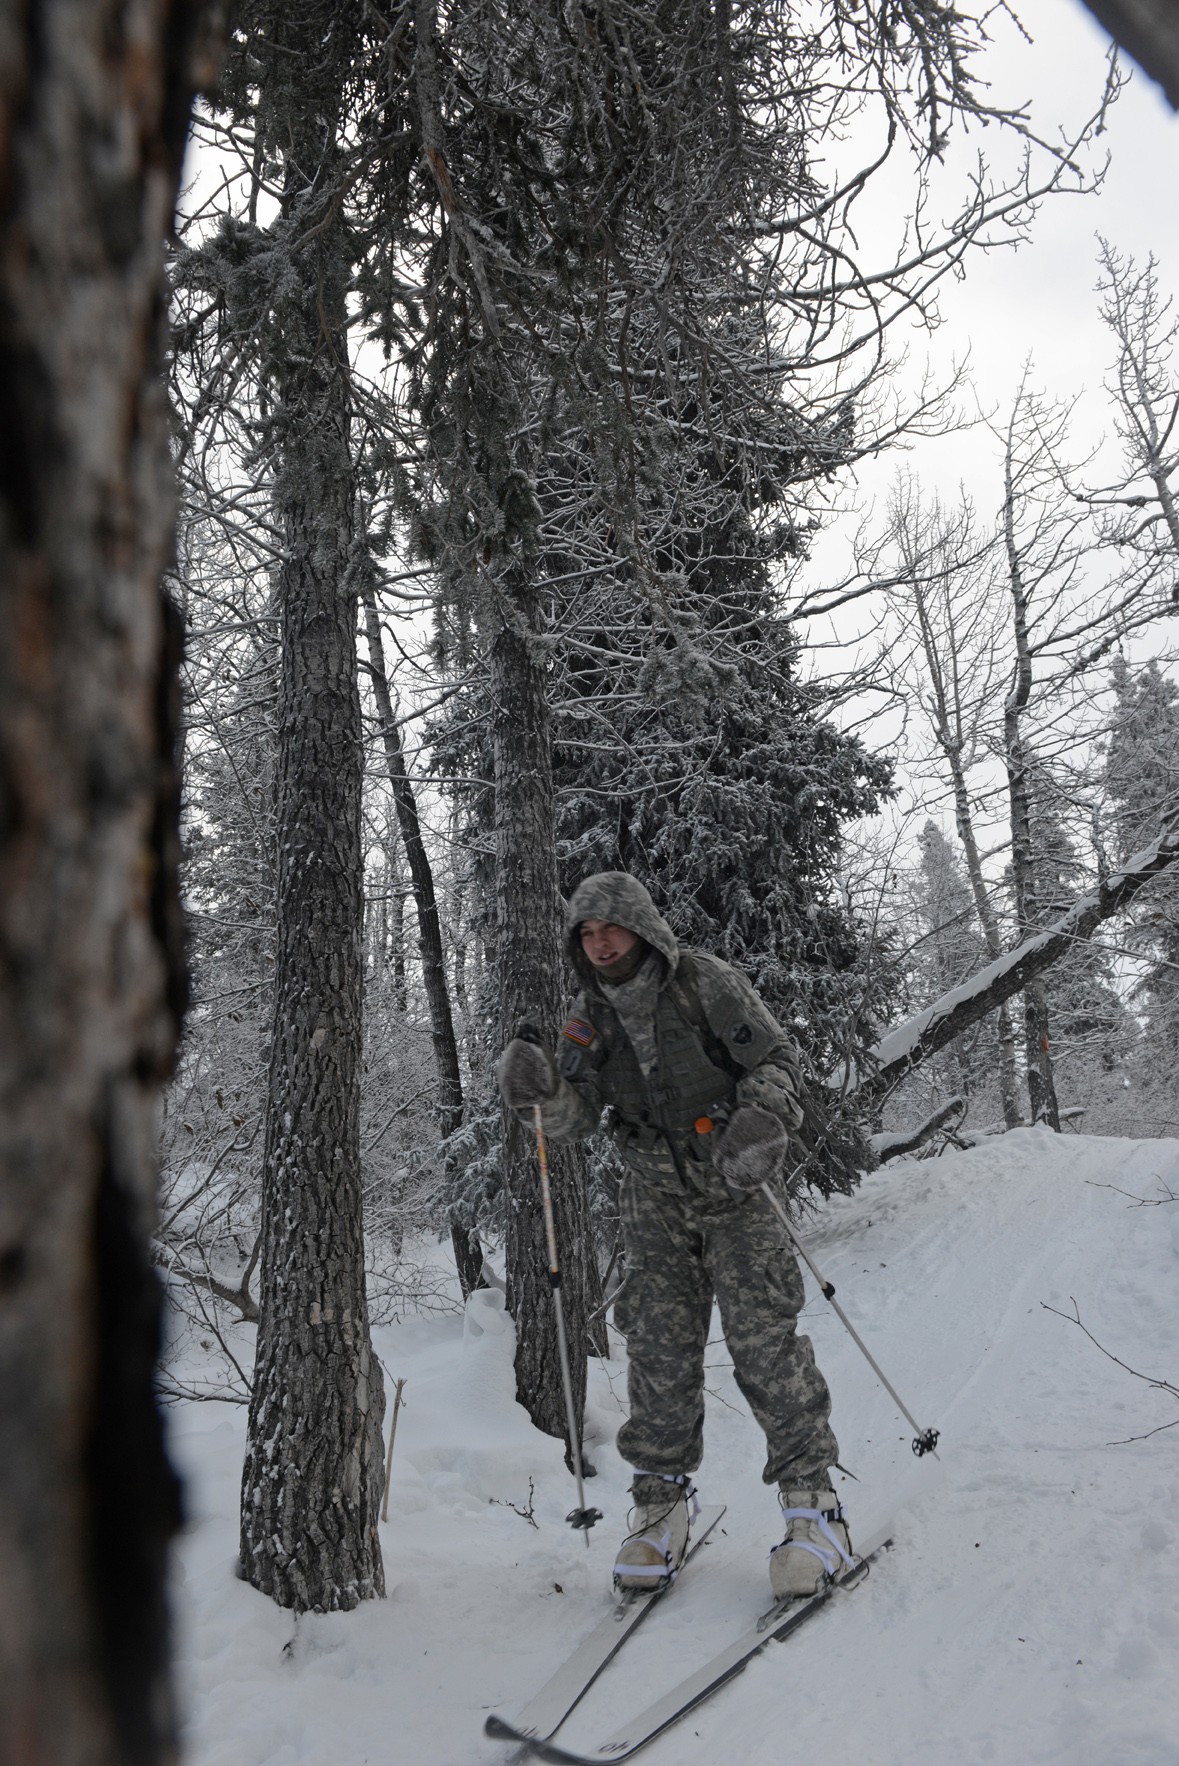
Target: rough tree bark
468,1256
532,986
311,1483
94,99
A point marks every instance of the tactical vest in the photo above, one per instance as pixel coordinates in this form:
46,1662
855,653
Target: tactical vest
663,1124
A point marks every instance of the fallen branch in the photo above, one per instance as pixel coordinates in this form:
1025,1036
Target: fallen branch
389,1457
896,1054
1158,1385
1168,1195
525,1514
892,1146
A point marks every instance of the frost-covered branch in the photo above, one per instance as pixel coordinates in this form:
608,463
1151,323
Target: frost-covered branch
910,1043
892,1146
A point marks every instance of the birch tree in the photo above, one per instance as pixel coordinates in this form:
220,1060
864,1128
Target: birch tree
943,586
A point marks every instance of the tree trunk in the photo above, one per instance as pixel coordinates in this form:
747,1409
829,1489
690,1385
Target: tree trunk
944,666
1037,1045
311,1484
532,985
1041,1083
468,1255
93,108
1008,1083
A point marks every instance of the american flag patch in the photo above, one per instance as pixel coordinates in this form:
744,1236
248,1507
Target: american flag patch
579,1032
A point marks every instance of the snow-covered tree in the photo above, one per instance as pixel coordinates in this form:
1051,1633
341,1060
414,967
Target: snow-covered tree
1091,1026
1140,510
950,947
274,296
1142,778
727,794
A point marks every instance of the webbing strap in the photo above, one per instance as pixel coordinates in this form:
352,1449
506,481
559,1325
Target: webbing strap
640,1570
828,1559
684,1486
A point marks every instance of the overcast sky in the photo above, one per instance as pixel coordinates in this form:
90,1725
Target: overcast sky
1040,300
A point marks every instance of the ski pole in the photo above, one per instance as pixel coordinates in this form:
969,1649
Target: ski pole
925,1440
582,1516
389,1456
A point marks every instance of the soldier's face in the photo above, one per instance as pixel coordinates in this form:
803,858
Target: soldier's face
603,942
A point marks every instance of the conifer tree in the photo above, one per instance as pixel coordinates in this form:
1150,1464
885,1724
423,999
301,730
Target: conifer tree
726,795
951,947
643,240
1142,778
625,322
1091,1026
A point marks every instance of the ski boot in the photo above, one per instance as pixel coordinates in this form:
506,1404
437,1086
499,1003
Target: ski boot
657,1544
816,1546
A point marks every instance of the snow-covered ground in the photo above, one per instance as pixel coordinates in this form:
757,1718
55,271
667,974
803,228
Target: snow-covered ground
1030,1610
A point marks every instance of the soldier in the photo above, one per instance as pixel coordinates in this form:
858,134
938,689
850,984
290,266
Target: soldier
700,1086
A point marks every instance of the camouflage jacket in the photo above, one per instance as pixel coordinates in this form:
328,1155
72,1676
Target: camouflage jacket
706,1040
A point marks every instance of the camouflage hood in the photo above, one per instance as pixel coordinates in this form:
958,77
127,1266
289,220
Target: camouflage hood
620,898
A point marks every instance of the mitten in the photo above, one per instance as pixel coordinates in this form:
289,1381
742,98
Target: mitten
527,1074
751,1150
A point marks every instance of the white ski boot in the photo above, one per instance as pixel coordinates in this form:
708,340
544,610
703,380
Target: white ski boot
816,1547
657,1544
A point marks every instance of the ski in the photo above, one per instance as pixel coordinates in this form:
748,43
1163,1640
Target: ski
557,1697
773,1625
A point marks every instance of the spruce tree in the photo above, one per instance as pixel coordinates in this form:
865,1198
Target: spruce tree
951,947
1091,1026
1142,779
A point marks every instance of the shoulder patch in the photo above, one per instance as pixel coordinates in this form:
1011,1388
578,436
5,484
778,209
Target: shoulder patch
578,1031
741,1034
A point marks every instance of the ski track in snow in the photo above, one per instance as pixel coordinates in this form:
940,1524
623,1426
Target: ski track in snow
1029,1614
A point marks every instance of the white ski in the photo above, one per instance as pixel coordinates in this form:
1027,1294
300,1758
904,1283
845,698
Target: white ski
777,1623
557,1697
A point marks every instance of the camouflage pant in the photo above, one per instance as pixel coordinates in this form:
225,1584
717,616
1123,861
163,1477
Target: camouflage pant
680,1253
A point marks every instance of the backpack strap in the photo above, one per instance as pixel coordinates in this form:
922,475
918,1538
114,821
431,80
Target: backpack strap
684,987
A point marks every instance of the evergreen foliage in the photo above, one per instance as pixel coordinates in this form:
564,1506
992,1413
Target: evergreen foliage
949,949
732,816
1142,779
1089,1019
